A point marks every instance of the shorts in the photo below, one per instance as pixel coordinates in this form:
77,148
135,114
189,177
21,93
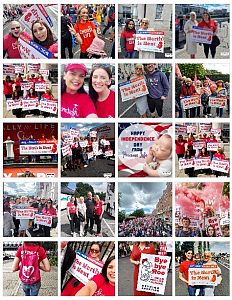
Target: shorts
141,104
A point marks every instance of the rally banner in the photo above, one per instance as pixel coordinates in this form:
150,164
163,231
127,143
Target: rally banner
66,150
191,129
202,163
44,72
30,147
13,104
26,85
49,106
180,129
42,86
153,272
29,104
205,127
200,35
186,163
190,102
84,268
25,213
149,40
19,69
198,144
220,102
43,220
220,165
8,70
215,223
133,89
202,274
216,131
211,146
28,49
109,153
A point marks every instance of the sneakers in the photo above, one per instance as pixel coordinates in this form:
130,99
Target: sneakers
85,166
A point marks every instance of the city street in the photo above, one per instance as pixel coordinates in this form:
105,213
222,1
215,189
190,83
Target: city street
125,281
108,225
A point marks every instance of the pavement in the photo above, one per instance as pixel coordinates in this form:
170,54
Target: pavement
221,290
12,286
108,226
125,278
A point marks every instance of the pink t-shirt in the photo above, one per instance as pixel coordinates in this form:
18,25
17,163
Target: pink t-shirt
76,106
103,288
106,109
10,45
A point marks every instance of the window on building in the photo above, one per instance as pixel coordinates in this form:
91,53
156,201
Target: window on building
127,12
159,11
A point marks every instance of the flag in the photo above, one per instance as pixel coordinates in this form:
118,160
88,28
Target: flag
210,81
177,71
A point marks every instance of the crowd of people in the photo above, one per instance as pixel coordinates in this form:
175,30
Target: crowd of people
83,25
148,226
102,284
206,88
12,90
14,226
14,11
77,103
83,213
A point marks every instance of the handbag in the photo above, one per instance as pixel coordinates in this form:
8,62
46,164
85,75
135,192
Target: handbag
81,217
54,222
216,41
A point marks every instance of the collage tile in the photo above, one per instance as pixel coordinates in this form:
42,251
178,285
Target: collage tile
118,114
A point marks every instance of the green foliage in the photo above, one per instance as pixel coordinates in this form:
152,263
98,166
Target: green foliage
189,70
53,260
226,189
82,189
138,213
102,196
121,216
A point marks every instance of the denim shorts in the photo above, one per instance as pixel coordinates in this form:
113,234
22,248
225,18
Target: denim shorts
31,289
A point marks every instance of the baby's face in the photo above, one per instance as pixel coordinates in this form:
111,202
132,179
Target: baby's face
162,148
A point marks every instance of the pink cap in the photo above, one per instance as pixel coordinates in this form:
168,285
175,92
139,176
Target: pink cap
70,67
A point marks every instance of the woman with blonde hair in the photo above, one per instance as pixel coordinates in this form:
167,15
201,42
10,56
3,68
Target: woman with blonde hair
81,214
191,47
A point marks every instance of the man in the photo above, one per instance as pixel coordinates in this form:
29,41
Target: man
158,87
186,231
89,202
10,41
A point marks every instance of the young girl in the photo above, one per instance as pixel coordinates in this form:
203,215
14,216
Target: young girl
127,40
43,36
102,96
75,103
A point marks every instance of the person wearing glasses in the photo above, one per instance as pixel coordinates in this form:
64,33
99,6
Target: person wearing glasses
10,41
144,26
74,285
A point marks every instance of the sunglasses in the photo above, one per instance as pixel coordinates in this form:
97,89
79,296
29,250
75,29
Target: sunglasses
138,68
144,22
13,28
207,256
94,251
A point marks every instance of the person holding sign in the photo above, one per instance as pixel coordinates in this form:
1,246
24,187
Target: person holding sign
209,24
188,90
127,40
183,271
221,91
144,26
100,93
191,47
48,210
8,87
138,249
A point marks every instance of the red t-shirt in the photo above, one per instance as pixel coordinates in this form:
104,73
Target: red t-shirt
10,45
49,211
31,96
212,25
8,87
219,156
106,109
103,288
48,97
129,36
98,206
184,266
31,247
180,146
86,33
54,49
71,208
76,106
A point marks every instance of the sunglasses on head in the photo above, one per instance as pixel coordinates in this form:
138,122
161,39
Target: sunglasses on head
17,27
94,251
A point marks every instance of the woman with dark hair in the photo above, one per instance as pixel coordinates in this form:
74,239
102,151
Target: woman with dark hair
43,36
209,24
100,93
72,212
127,40
221,92
31,94
8,87
48,210
102,284
183,271
75,102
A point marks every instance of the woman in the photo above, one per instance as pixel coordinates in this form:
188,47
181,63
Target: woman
74,285
43,36
48,210
209,289
180,146
30,288
98,213
8,87
84,31
183,271
221,92
102,284
209,24
138,249
75,102
191,47
31,94
209,231
72,212
81,212
219,155
188,90
141,102
48,95
100,93
127,40
188,155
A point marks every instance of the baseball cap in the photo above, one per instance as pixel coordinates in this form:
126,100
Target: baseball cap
70,67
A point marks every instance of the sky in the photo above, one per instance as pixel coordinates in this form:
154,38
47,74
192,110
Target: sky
97,186
223,68
136,195
20,188
211,6
219,247
83,127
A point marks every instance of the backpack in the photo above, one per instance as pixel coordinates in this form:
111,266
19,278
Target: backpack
29,272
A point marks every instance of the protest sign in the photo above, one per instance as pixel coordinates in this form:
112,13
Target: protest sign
202,163
83,144
109,153
84,268
153,271
26,85
8,70
149,40
205,127
66,150
74,132
180,129
190,102
225,221
93,134
220,165
42,86
198,144
19,69
43,220
34,68
202,274
186,163
95,148
49,106
218,101
215,223
213,146
29,104
44,72
90,155
191,129
216,131
13,104
133,88
25,213
200,35
30,147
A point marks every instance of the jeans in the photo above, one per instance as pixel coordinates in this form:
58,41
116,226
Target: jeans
31,289
191,290
131,54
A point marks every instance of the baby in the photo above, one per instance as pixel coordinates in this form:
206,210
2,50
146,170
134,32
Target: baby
158,161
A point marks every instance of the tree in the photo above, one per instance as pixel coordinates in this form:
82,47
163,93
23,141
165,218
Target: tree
102,196
138,213
82,189
121,216
189,70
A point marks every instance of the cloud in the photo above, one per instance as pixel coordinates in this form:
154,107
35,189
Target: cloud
20,188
